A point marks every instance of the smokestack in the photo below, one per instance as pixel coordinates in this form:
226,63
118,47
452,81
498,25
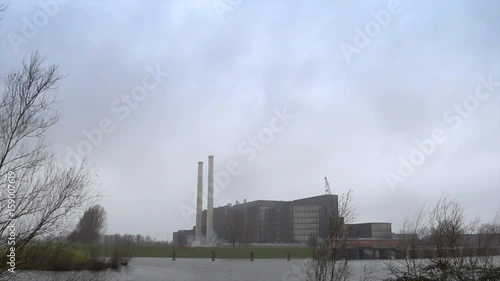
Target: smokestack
199,202
210,207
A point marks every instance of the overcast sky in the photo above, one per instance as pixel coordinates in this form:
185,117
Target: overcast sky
285,92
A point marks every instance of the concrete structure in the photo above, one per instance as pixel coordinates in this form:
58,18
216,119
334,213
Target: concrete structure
371,230
199,203
210,204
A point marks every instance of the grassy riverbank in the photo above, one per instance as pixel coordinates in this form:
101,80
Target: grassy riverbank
54,257
76,257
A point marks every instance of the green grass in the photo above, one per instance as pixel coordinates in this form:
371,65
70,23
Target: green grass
54,257
205,252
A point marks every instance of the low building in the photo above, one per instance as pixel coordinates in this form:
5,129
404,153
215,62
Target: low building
406,237
371,230
183,237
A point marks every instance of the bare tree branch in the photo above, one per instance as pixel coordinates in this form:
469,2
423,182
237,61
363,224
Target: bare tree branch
328,262
48,197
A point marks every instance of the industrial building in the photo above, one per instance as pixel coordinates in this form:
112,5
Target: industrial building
268,221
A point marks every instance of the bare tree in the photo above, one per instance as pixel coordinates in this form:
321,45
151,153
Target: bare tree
139,239
457,249
369,272
91,227
413,232
45,197
123,249
328,262
126,248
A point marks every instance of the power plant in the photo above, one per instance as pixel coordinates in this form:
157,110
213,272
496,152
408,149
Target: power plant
267,221
260,221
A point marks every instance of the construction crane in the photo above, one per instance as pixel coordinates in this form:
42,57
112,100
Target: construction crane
328,191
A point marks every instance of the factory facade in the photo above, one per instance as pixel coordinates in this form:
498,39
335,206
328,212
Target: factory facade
266,221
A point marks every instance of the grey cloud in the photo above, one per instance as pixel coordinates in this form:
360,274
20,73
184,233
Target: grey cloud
226,77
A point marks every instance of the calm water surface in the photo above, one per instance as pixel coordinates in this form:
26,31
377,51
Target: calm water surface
164,269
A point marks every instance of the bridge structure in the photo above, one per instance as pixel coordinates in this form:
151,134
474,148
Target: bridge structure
399,249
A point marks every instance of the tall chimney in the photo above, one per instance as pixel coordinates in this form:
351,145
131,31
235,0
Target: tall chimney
199,203
210,207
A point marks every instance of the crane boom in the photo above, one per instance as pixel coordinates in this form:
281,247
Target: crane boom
327,187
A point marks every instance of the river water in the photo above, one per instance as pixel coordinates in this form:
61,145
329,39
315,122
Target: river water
164,269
